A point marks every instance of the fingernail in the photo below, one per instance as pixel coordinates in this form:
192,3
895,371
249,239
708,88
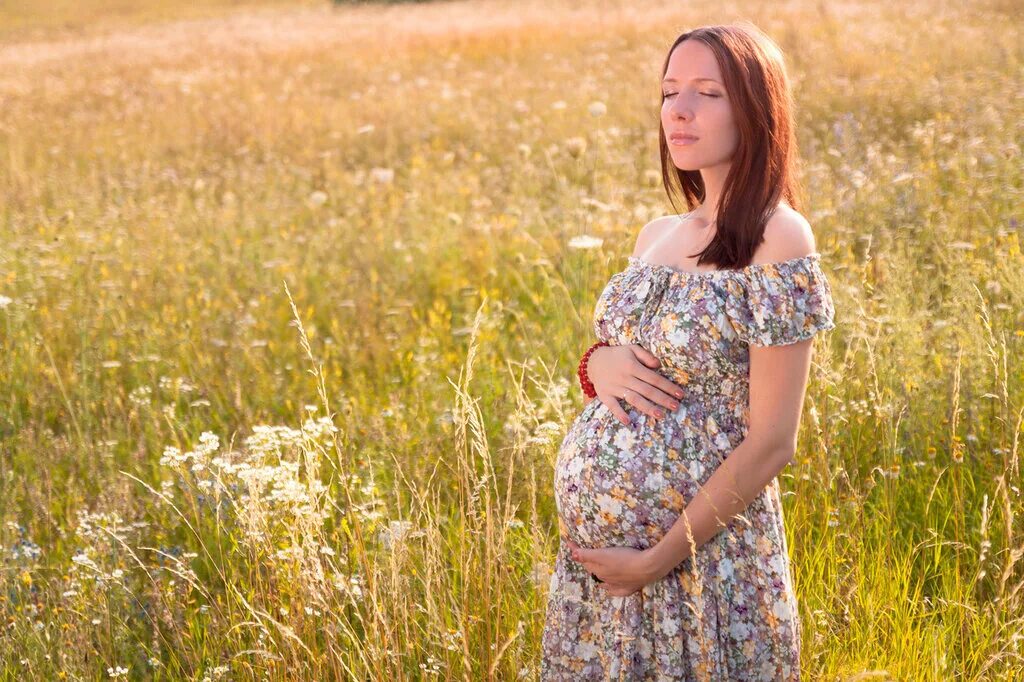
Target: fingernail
679,394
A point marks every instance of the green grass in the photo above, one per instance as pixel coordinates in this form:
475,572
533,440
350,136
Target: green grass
172,269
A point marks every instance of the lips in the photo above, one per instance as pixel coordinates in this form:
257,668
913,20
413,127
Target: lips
682,137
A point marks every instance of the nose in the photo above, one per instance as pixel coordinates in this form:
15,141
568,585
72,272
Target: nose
680,109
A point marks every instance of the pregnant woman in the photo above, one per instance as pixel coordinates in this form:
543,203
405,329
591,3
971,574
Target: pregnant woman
673,562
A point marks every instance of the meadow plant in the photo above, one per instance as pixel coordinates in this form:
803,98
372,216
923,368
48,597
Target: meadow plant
186,492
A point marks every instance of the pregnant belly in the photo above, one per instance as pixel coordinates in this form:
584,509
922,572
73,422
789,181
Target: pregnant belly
614,484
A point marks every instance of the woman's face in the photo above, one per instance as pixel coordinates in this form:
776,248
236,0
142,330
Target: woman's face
694,103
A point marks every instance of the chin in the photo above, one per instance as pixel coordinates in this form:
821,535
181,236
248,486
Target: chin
687,165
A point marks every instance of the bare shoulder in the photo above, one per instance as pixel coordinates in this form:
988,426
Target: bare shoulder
787,235
652,231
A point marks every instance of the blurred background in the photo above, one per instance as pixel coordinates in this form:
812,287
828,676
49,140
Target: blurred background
292,296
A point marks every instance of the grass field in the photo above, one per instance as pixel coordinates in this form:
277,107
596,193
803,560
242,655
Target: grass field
289,318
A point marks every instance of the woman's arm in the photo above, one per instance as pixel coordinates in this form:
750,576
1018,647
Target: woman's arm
778,380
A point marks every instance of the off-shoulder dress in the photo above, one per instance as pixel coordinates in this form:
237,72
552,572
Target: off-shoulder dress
729,612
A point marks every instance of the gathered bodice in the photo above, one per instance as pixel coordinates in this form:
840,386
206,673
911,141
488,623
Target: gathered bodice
701,324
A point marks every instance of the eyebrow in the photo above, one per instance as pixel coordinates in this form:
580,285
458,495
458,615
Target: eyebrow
695,80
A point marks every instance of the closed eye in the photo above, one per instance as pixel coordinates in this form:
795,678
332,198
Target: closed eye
666,95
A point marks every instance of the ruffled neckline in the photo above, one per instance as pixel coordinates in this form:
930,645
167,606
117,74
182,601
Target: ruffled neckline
676,273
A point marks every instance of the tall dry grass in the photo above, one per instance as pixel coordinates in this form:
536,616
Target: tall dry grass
290,304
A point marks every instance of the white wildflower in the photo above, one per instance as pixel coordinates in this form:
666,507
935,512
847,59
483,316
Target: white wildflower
585,242
382,175
576,146
318,198
140,396
398,531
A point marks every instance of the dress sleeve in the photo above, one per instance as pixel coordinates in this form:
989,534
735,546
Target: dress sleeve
775,304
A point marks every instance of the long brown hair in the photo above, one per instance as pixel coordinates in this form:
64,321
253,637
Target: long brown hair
762,169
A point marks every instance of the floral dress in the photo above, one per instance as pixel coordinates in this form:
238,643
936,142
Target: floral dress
727,613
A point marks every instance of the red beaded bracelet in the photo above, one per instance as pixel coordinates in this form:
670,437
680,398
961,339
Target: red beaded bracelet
581,371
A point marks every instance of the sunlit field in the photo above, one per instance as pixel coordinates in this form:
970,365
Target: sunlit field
292,297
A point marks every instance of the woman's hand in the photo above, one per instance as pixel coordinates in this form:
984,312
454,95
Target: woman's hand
620,571
625,372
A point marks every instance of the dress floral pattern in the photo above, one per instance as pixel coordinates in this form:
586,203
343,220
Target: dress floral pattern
729,612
